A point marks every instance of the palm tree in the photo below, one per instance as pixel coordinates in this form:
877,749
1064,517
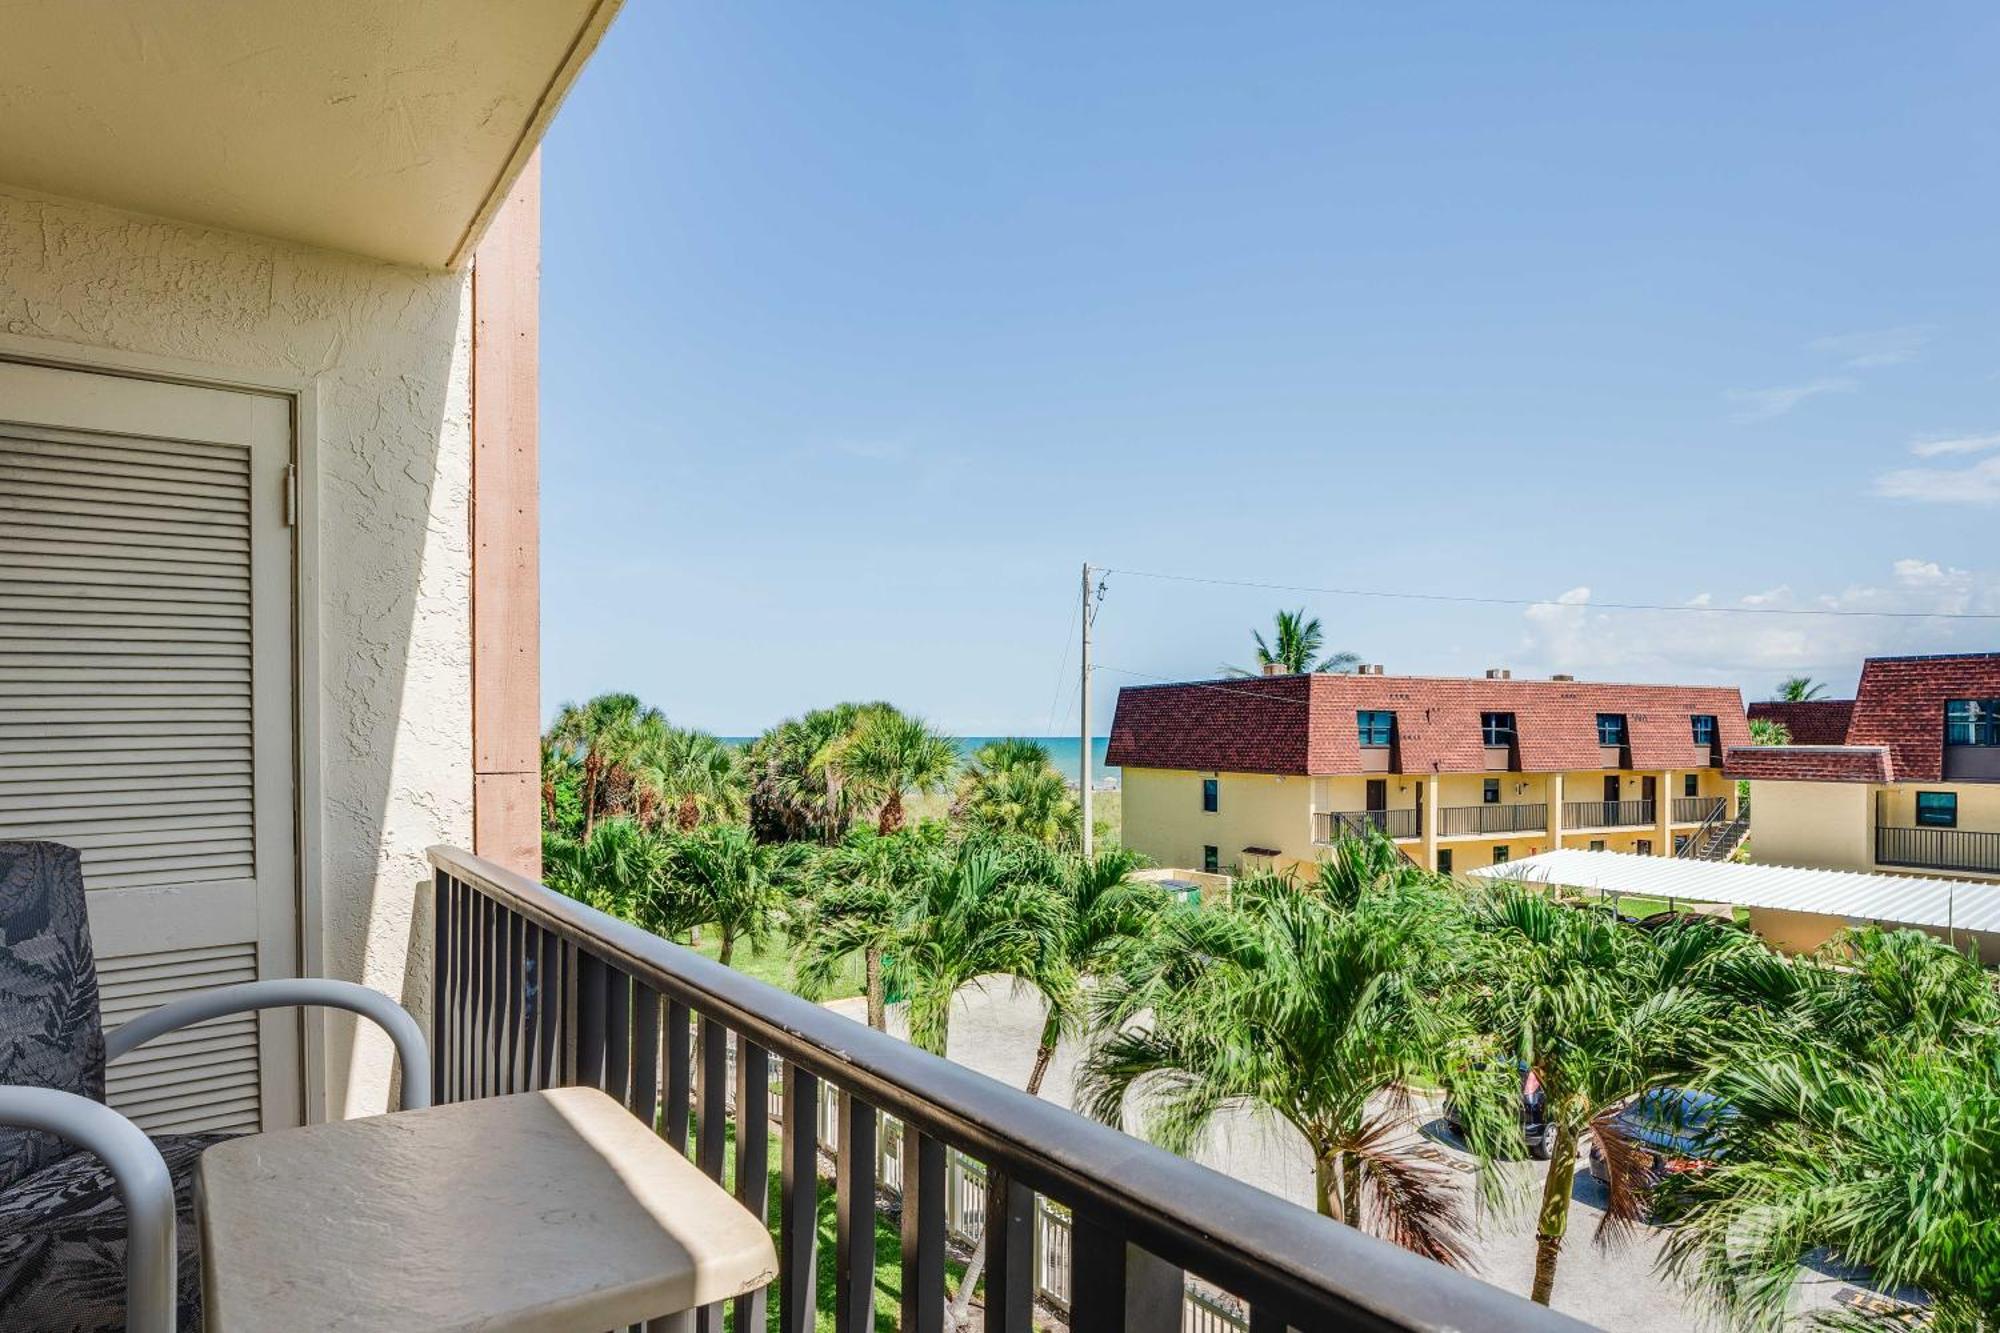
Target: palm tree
1290,1001
722,876
604,734
1598,1013
1009,786
1295,647
1769,731
1800,689
798,788
619,867
890,753
691,775
864,883
562,779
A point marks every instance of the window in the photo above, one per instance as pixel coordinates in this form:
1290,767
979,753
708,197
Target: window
1643,846
1680,844
1491,795
1691,784
1597,844
1937,809
1373,728
1444,860
1211,860
1497,728
1704,728
1972,722
1500,856
1209,795
1610,728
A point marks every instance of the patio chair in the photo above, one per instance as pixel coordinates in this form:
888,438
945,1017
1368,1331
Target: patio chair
96,1218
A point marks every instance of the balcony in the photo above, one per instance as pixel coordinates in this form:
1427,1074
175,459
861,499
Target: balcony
1466,821
1329,825
1938,849
1699,809
532,989
1607,814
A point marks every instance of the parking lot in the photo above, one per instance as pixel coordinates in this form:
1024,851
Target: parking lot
994,1030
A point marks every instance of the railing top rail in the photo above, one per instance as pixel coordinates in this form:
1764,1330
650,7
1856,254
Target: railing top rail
1231,1233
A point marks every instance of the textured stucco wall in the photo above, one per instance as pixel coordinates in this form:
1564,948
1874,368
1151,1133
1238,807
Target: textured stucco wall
390,350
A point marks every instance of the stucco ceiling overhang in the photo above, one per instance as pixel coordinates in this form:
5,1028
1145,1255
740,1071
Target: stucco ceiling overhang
385,128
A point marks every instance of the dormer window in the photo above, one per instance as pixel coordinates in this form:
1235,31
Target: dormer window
1497,728
1374,728
1703,726
1611,729
1972,722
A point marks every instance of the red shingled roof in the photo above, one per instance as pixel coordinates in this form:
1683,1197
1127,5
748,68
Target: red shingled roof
1808,722
1901,705
1305,724
1809,763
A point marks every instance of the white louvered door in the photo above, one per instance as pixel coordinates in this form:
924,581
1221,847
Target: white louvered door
146,709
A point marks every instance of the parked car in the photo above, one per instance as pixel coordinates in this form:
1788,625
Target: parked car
1671,1125
1534,1123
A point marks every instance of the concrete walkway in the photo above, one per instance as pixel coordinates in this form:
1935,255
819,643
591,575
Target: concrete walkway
995,1031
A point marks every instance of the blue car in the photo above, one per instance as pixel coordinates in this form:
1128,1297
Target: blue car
1671,1123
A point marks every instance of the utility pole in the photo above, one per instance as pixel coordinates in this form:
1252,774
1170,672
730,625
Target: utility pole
1083,770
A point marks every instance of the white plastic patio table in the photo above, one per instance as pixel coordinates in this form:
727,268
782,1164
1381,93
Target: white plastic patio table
554,1210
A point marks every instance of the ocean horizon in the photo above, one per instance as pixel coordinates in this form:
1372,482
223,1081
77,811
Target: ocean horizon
1063,752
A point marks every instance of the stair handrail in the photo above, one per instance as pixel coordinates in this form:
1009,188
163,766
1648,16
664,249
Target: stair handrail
1691,849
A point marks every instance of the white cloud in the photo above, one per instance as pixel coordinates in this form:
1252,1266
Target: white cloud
1710,644
1701,599
1938,446
1978,484
1763,404
1875,347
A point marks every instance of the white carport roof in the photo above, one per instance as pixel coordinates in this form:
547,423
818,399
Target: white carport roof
1906,900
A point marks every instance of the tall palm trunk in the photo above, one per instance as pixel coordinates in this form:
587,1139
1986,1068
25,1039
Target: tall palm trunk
592,767
1553,1219
1323,1191
878,1004
722,955
892,814
1350,1189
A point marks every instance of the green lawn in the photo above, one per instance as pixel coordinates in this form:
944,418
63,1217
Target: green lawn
888,1251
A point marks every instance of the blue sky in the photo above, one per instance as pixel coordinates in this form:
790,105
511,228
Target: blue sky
865,325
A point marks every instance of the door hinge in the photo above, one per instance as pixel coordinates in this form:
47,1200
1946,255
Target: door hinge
291,495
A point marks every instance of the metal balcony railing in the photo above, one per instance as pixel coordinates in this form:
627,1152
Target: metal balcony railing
532,989
1331,824
1938,848
1698,809
1606,814
1462,820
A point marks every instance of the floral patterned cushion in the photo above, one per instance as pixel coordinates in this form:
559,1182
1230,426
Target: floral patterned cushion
50,1033
62,1244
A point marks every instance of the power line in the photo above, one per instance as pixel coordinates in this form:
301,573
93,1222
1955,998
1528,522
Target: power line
1549,601
1062,667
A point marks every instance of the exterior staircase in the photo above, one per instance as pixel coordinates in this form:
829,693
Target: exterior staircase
1718,838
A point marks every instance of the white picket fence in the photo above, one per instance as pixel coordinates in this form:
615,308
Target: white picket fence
1202,1311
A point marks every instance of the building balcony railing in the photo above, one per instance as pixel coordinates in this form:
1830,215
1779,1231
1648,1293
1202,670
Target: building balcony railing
532,990
1938,848
1331,824
1456,821
1698,809
1606,814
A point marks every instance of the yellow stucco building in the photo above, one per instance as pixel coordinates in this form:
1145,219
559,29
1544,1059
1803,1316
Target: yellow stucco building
1460,772
1902,778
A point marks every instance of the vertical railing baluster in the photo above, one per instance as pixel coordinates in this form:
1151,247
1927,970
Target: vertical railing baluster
753,1153
1010,1254
712,1126
513,1080
645,1053
467,954
441,1016
679,1056
590,1017
798,1204
549,1015
1114,1285
854,1234
1263,1319
923,1232
490,1010
617,1034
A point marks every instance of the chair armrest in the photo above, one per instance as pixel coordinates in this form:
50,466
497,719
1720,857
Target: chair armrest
143,1182
247,996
